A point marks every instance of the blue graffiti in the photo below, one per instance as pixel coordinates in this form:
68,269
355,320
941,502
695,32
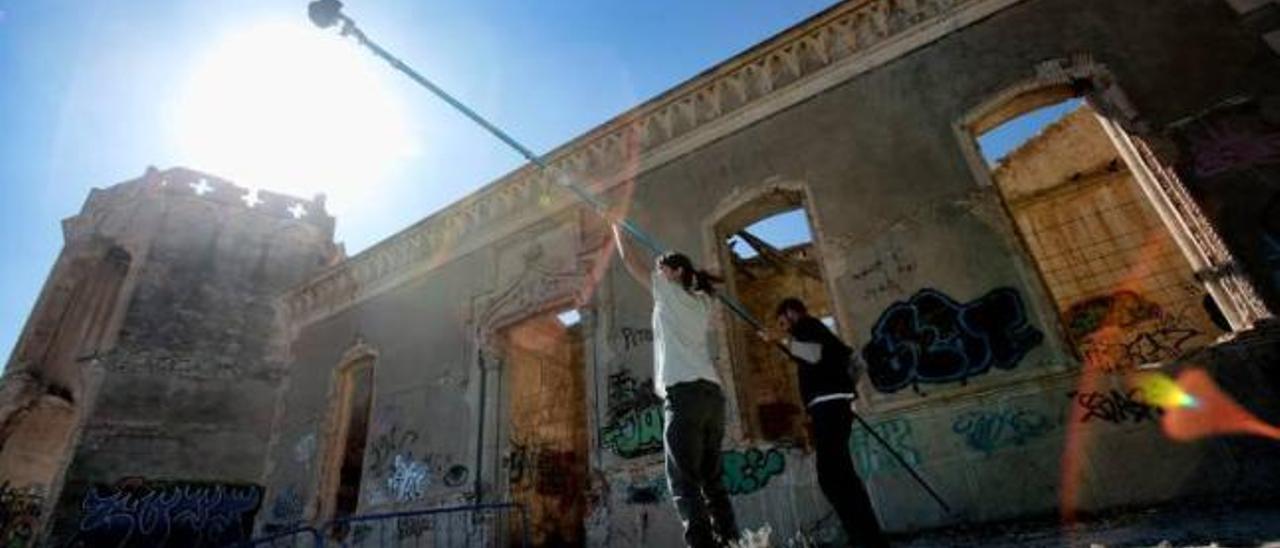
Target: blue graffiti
931,338
136,512
989,431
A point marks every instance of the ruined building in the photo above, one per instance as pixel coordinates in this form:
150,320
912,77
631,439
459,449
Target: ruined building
227,359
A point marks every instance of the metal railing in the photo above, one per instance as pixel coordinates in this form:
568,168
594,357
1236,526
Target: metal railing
470,526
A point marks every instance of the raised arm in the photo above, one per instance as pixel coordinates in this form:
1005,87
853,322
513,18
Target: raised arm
634,261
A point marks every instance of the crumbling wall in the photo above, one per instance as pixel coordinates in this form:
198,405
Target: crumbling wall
155,353
970,371
1126,294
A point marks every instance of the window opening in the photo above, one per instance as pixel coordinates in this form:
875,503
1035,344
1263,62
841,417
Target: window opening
547,412
1125,293
771,255
356,399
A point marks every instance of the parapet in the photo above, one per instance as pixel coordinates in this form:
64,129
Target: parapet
181,181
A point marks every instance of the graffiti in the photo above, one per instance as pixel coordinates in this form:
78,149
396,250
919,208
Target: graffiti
456,475
390,444
518,462
633,426
412,527
871,458
651,491
409,478
633,337
1232,141
1120,309
749,471
304,449
548,471
1114,406
137,512
885,275
286,507
989,431
19,516
1168,338
931,338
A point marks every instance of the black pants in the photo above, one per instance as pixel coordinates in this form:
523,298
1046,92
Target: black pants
832,423
694,415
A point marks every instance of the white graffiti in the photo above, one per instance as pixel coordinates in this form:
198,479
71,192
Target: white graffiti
304,449
409,479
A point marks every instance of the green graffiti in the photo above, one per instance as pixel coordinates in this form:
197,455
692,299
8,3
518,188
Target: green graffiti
750,470
634,433
872,458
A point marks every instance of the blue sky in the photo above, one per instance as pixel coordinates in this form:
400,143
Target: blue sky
1002,139
92,92
88,88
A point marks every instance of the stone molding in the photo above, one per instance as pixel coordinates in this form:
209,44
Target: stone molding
824,51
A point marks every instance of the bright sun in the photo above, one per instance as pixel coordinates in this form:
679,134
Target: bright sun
292,109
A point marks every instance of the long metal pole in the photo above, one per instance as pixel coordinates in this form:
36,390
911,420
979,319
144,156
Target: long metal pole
902,462
645,239
349,29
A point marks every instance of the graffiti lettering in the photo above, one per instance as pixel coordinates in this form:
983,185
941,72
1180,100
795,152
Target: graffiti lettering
1115,407
749,471
1121,309
885,275
518,463
409,479
931,338
412,527
871,458
635,433
1168,338
988,431
137,512
633,426
633,337
547,470
19,516
391,443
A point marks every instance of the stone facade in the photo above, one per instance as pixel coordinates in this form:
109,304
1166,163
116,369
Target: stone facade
433,369
152,361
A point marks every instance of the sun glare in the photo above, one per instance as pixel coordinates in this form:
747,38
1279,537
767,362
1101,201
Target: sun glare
291,109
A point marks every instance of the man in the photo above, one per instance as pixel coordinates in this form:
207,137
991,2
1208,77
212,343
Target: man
692,398
827,389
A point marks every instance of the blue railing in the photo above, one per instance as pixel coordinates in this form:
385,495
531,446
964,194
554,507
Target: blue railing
477,525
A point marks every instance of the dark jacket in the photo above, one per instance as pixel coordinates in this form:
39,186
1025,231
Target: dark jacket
830,374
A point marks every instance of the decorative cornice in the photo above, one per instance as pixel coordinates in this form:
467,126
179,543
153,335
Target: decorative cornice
824,51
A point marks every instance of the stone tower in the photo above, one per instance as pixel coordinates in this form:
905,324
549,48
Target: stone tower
150,366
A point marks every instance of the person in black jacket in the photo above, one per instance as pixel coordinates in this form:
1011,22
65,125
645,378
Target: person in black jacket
827,389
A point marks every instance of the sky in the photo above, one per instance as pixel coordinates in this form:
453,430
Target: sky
93,91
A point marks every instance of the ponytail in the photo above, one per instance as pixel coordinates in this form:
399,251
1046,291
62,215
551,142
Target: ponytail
692,279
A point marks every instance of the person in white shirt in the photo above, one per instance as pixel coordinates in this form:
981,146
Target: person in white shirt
687,382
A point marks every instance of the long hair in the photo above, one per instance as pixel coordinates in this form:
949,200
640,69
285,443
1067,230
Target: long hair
691,278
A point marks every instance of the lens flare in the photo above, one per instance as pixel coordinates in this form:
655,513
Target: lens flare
1161,391
1195,408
